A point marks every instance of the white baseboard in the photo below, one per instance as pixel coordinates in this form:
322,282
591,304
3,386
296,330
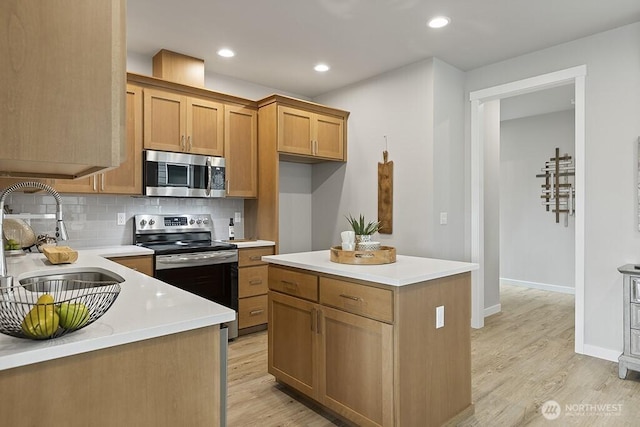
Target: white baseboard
601,353
535,285
488,311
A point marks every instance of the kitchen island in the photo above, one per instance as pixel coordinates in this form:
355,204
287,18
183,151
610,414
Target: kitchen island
379,345
153,359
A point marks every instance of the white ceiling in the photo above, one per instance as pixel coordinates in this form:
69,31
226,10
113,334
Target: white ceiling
277,42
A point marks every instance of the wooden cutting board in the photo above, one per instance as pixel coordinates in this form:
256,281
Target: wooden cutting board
60,254
385,195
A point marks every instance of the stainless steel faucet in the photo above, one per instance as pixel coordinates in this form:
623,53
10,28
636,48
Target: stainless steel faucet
61,230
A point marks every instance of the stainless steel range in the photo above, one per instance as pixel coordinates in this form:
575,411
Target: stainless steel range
187,257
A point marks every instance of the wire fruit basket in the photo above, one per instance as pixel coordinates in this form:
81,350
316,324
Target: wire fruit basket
53,308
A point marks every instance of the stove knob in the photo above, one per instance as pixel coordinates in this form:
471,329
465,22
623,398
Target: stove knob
199,221
192,221
205,221
143,223
151,222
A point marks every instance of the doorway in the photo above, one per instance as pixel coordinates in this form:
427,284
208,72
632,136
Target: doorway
483,98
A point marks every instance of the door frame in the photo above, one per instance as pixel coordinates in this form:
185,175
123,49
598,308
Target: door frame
577,77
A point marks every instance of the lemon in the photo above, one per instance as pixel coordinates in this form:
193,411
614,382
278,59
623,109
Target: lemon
73,316
42,320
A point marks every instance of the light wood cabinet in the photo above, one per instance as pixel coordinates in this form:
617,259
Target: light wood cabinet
252,288
63,79
305,133
127,178
372,353
175,122
241,151
286,129
141,263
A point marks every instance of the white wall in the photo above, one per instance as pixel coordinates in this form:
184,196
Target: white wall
400,105
612,128
295,208
534,249
492,204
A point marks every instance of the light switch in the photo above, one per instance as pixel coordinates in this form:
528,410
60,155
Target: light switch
439,316
443,218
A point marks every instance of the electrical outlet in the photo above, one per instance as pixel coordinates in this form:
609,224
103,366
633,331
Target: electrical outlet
439,316
122,219
238,217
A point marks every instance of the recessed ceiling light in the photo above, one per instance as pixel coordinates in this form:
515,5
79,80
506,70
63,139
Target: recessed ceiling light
439,22
321,68
227,53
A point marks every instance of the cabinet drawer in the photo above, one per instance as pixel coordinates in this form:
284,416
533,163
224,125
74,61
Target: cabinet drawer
252,256
141,263
634,347
293,283
364,300
253,281
635,315
252,311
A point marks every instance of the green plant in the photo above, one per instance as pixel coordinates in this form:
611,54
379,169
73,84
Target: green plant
360,228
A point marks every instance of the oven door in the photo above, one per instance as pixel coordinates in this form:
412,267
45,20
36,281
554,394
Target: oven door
200,274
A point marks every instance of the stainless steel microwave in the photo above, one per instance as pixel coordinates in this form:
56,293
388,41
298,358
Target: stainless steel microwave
183,175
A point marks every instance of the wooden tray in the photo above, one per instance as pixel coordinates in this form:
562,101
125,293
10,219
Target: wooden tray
60,254
385,255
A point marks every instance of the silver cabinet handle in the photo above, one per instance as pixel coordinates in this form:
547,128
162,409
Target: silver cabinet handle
255,281
182,143
255,258
190,143
102,182
256,312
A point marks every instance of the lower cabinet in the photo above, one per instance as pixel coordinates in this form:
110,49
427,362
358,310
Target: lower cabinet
252,288
141,263
371,353
342,360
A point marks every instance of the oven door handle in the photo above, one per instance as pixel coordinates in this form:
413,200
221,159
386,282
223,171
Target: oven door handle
179,259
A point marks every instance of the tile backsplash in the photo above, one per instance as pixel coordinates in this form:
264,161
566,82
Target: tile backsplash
91,220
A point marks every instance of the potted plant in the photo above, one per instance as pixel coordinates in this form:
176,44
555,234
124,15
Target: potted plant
363,229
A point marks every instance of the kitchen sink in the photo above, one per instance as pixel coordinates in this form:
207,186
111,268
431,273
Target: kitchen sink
69,280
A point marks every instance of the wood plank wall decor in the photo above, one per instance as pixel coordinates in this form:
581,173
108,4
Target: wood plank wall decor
385,194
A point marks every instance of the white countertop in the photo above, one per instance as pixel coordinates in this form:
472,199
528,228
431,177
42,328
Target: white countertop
146,308
406,270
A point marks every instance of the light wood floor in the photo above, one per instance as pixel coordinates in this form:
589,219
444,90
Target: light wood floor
522,358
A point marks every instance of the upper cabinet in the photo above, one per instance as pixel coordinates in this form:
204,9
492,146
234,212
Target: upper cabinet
127,178
310,134
241,151
307,132
175,122
63,77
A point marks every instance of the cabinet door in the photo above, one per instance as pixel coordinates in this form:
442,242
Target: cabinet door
293,342
294,130
329,137
357,355
63,79
241,151
205,121
127,178
164,121
82,185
